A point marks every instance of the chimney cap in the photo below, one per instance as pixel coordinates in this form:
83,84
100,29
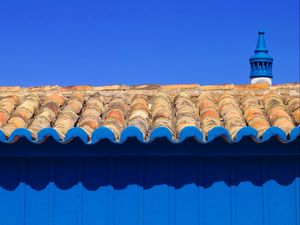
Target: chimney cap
261,62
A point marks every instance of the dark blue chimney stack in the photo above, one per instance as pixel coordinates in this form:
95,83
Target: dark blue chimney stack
261,62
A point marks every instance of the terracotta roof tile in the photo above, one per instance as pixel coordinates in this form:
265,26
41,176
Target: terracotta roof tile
277,112
7,106
139,114
231,113
92,113
253,114
150,106
47,113
162,111
116,114
22,114
184,112
293,104
69,114
208,112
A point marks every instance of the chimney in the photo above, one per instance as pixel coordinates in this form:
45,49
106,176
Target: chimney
261,62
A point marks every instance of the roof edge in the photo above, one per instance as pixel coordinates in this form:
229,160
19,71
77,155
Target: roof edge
145,87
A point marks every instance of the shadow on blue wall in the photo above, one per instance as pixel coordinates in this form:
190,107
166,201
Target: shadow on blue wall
133,163
161,146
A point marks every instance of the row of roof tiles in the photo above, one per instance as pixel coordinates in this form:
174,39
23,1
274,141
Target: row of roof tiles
252,105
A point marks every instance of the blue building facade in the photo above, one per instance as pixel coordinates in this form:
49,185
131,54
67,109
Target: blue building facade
156,183
151,155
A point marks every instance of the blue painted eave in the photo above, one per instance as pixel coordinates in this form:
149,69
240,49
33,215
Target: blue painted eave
104,133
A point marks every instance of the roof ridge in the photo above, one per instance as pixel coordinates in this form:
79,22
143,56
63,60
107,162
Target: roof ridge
147,87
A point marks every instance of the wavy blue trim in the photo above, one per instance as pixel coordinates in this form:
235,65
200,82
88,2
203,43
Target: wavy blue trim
76,132
246,132
20,132
2,137
47,132
295,133
273,132
218,132
191,132
131,131
160,132
102,133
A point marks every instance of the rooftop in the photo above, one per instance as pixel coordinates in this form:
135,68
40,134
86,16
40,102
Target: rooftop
149,111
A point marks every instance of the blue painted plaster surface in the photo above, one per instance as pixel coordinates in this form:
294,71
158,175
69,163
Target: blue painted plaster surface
150,190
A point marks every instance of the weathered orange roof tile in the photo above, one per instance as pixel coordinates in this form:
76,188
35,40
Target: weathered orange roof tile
150,106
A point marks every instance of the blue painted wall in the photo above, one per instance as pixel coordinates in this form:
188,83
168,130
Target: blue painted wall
149,189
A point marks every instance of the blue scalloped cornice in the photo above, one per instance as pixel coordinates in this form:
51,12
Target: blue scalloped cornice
160,132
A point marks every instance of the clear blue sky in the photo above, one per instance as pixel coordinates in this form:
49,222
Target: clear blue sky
137,42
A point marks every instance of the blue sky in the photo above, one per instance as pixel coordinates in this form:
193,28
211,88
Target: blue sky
139,42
